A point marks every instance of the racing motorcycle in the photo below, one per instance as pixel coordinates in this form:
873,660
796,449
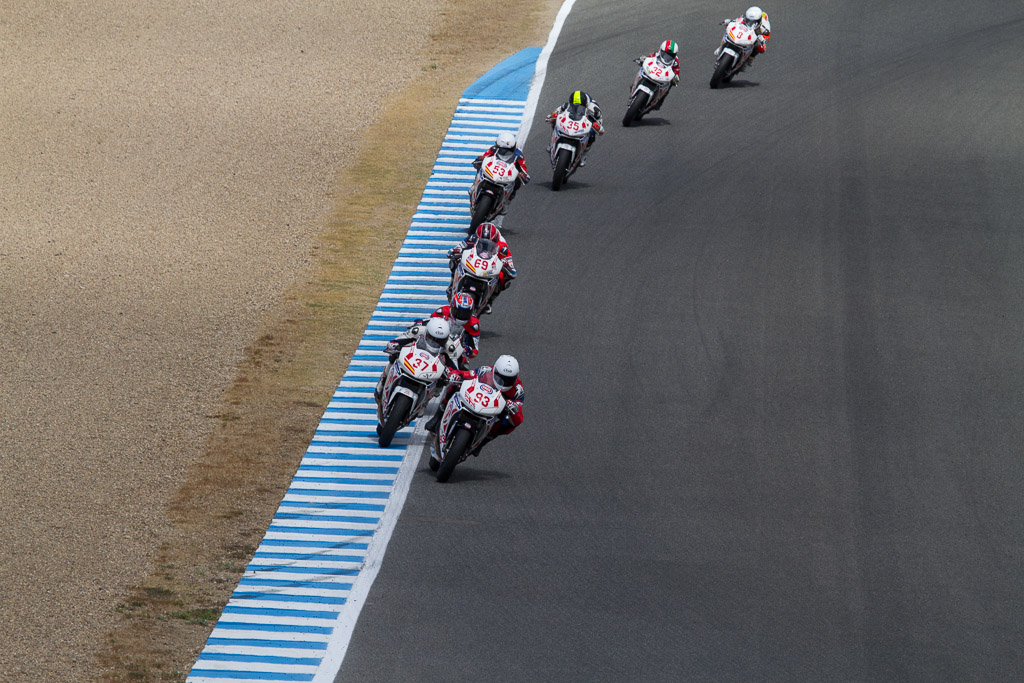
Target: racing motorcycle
492,190
569,141
650,86
737,46
407,385
467,419
477,274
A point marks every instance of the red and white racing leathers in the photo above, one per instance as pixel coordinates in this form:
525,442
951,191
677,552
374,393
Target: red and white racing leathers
520,163
512,417
470,330
508,268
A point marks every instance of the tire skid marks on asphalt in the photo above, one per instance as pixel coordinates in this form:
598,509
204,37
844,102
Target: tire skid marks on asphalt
279,620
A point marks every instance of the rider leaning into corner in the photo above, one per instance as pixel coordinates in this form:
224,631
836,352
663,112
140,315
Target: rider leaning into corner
667,54
459,313
487,231
593,114
503,376
433,332
506,142
757,21
434,335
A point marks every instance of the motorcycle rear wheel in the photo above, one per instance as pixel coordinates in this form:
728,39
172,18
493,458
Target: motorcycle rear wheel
633,111
720,68
483,208
400,408
561,164
457,449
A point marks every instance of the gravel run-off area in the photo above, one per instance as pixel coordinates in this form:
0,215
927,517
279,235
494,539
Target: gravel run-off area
165,170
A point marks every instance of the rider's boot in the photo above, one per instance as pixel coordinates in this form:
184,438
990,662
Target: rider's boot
432,425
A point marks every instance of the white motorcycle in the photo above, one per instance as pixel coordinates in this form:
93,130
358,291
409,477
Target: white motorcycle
737,46
468,417
569,141
492,190
652,83
407,385
477,274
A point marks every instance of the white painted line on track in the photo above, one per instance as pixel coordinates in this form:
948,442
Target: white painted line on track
293,613
541,72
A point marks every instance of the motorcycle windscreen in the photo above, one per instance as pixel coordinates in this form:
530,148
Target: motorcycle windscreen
425,343
486,249
506,155
576,112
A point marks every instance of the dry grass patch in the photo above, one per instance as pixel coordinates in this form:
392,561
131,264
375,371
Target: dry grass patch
268,416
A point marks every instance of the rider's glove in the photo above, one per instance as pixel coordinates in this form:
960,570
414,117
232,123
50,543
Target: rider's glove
391,348
639,60
675,80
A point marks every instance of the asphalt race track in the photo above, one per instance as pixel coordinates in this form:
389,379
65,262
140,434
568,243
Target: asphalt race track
772,346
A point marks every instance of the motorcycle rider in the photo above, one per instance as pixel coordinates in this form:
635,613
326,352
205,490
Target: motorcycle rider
487,231
667,54
503,376
593,114
434,337
459,313
757,21
507,142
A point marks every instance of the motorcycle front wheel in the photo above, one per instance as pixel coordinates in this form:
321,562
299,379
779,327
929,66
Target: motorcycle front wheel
396,418
561,164
633,111
720,68
457,449
483,209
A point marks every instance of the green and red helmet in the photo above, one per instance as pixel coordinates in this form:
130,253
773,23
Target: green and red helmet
670,49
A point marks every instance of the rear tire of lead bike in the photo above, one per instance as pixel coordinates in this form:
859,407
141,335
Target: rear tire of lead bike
720,68
561,165
399,413
633,111
458,448
483,207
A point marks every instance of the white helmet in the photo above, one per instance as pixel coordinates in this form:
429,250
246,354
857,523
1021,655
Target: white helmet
436,333
506,372
752,17
505,141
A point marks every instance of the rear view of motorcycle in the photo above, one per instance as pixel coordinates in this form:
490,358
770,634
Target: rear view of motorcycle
652,83
737,46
